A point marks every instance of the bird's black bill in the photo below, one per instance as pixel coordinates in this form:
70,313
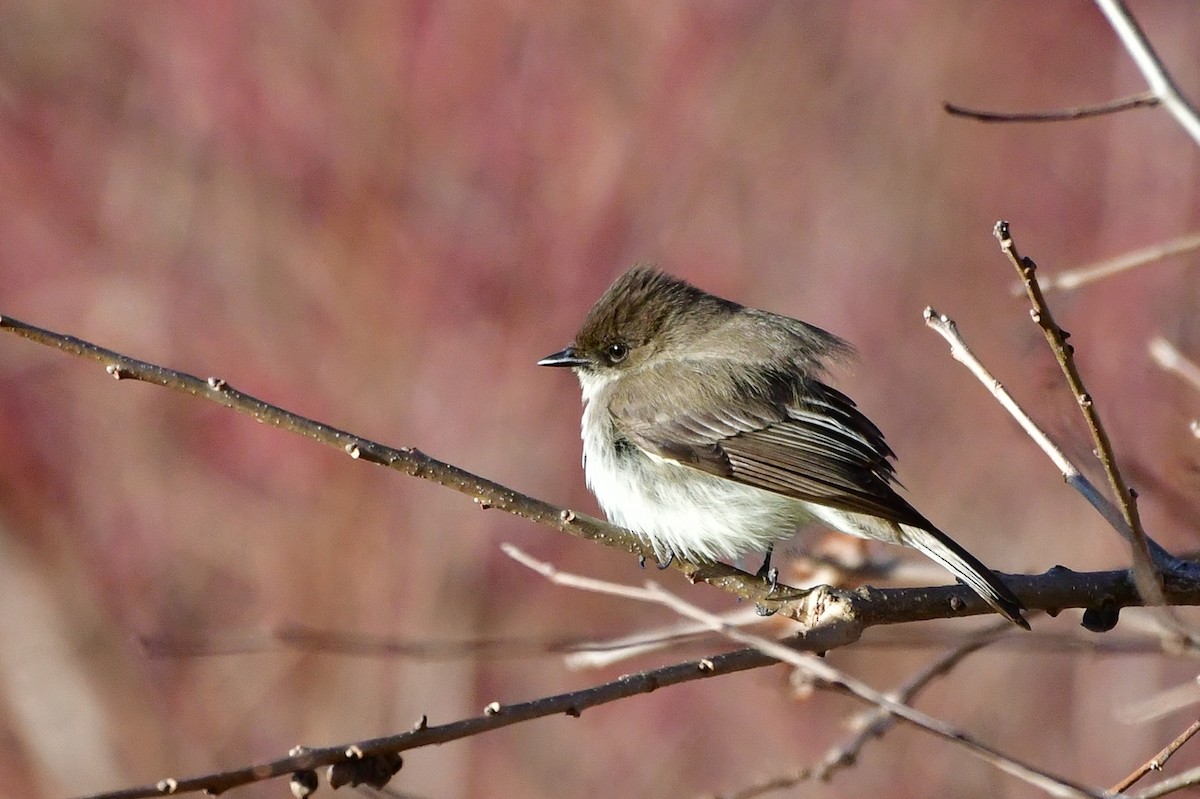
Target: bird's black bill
567,357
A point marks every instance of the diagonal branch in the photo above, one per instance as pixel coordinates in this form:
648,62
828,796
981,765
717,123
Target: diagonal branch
1074,278
1160,81
1158,761
1145,573
831,617
411,461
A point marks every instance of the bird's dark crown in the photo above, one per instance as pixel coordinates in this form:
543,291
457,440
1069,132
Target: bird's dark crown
646,305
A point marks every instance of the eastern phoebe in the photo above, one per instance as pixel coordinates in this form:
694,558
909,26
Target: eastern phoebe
707,430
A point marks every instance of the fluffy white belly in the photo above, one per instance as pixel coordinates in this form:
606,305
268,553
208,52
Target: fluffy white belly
680,510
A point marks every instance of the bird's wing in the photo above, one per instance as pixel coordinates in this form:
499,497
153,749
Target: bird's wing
784,433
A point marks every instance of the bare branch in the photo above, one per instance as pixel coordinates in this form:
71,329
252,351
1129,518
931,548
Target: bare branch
959,350
1160,703
1158,761
818,670
1172,360
1160,81
494,717
840,615
413,462
962,353
1074,278
1144,100
1172,784
878,721
1145,573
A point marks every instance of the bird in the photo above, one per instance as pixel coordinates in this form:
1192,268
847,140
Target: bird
710,430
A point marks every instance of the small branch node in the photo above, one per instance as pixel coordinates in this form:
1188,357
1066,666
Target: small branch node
1000,231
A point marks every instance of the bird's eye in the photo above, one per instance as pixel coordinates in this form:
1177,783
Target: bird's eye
616,352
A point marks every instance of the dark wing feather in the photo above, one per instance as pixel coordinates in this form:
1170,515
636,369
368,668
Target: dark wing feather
784,433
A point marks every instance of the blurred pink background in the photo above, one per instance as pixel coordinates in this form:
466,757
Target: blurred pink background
381,215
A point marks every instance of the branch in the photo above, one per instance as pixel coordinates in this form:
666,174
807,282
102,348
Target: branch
486,493
1172,784
1172,360
962,353
1145,574
1158,761
831,617
874,723
1143,100
1162,85
1074,278
959,351
495,716
815,669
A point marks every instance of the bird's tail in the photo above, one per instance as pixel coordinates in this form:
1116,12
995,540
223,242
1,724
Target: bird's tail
938,546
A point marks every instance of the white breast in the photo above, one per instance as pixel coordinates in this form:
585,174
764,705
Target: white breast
677,509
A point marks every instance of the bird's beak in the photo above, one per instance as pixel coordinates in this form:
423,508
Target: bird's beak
567,357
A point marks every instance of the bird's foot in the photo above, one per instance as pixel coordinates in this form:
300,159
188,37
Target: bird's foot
661,565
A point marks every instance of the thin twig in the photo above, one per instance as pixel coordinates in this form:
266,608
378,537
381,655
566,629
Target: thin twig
1143,100
875,722
1158,761
817,670
947,329
494,717
878,721
602,654
1145,573
1172,360
1172,784
592,653
1074,278
1163,702
1160,81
